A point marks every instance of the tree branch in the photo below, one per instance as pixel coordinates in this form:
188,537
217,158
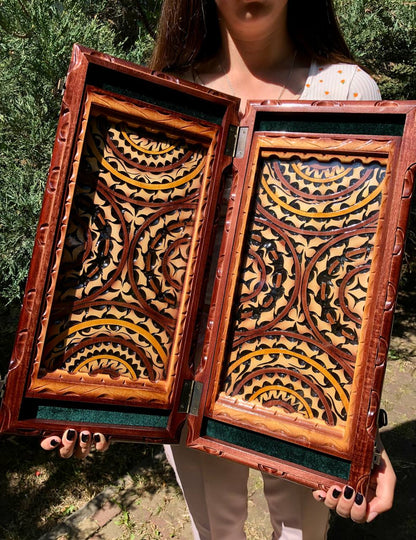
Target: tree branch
145,21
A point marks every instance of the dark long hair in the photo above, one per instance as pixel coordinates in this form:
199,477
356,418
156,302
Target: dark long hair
189,34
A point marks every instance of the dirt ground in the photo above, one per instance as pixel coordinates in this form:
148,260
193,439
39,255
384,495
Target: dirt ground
399,437
130,493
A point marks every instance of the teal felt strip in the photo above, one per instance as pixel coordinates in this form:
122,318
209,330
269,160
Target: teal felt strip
152,93
94,414
277,448
344,124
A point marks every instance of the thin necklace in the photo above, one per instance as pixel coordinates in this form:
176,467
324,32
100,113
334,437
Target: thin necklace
289,75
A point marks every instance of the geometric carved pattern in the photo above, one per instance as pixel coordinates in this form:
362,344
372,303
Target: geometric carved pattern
303,284
125,255
303,295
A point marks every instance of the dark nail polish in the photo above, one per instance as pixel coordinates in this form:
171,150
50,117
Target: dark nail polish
107,437
348,491
97,438
70,435
84,437
336,493
359,499
54,442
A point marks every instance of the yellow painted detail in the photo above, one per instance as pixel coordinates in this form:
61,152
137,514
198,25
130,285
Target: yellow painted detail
311,214
145,185
320,180
99,357
145,150
325,373
115,322
283,389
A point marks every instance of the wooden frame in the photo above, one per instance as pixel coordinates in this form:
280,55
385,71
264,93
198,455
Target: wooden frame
119,261
289,377
309,268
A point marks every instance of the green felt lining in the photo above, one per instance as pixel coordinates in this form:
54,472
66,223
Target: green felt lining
155,94
277,448
96,414
345,123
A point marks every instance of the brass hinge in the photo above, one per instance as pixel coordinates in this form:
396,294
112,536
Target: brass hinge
3,386
382,421
236,141
376,456
191,397
60,86
382,418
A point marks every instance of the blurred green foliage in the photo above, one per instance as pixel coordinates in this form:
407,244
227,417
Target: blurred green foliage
36,39
382,36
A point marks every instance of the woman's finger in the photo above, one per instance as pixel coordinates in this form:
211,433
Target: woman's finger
84,445
359,509
345,502
69,440
385,479
72,444
332,497
50,443
101,442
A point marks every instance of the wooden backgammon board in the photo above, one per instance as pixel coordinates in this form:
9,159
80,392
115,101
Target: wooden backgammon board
299,269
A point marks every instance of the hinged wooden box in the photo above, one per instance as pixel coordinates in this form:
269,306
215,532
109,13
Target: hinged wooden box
264,321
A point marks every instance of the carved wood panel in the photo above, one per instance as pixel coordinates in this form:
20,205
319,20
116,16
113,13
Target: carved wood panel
107,325
300,318
294,354
125,255
303,286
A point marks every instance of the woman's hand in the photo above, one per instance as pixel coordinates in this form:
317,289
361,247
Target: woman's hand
347,503
72,444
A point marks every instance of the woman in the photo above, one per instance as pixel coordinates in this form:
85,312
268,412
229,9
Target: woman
277,49
265,49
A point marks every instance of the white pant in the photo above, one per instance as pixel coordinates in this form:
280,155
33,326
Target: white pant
215,490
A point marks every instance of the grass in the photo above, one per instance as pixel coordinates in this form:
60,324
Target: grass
38,490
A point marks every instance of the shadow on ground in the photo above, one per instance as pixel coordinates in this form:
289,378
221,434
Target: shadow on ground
35,485
400,522
37,490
